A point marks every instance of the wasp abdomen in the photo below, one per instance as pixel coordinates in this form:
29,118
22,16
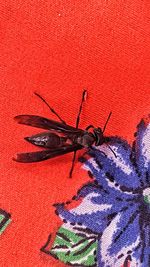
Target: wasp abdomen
47,139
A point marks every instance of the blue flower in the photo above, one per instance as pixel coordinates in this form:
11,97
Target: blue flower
114,214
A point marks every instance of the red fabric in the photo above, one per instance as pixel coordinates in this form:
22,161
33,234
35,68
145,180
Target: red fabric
57,48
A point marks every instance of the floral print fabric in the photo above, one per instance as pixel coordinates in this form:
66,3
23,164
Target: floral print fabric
111,225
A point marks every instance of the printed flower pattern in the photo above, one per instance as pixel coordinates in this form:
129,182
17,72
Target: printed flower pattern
111,225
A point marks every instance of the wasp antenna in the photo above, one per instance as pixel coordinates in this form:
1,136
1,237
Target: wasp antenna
112,151
84,96
107,121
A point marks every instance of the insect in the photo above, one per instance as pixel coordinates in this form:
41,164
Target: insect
60,138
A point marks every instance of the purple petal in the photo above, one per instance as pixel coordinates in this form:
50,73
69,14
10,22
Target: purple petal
120,240
96,210
117,168
142,253
142,149
116,174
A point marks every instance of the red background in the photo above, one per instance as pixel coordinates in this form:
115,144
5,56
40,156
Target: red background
58,48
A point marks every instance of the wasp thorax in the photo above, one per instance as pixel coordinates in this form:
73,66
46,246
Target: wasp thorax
86,140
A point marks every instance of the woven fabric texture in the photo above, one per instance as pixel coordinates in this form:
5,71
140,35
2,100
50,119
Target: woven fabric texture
58,48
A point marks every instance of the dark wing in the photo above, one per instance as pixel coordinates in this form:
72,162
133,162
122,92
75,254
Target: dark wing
46,154
44,123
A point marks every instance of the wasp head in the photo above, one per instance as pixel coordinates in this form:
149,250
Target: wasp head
99,137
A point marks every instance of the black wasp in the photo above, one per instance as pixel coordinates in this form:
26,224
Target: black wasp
60,138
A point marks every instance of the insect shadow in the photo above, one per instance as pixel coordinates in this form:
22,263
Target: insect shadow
60,138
